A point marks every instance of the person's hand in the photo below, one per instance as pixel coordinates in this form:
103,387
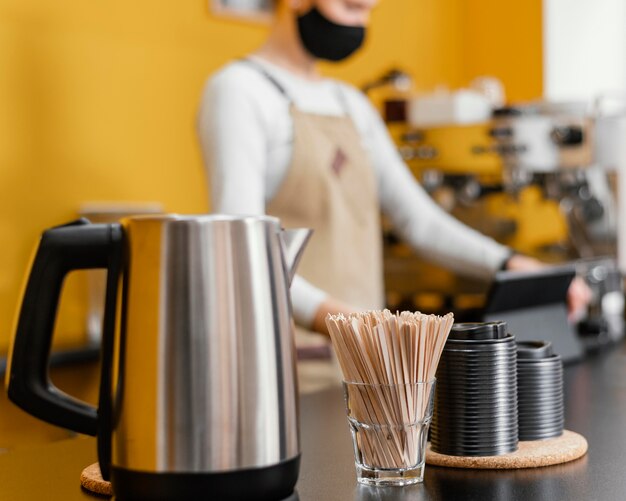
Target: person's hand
578,294
517,262
332,306
578,298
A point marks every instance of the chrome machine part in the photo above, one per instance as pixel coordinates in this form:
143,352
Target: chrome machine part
610,124
604,322
545,137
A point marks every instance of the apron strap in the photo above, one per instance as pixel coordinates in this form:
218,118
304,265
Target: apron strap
343,102
279,87
341,97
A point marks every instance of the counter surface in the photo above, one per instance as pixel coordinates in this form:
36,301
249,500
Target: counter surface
595,407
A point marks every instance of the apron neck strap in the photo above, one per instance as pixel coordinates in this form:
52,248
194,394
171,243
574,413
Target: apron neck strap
341,97
259,67
343,101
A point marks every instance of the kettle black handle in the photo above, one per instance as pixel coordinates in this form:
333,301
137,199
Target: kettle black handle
74,246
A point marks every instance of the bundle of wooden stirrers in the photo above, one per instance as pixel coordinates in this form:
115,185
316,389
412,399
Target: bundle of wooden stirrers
386,355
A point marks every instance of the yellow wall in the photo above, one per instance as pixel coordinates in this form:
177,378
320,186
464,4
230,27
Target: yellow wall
504,39
421,36
98,104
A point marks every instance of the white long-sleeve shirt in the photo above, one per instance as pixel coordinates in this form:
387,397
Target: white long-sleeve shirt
246,133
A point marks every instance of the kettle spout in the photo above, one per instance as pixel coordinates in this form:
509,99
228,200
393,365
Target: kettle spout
294,241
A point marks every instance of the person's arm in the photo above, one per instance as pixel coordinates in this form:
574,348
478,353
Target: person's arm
436,234
233,133
430,230
233,140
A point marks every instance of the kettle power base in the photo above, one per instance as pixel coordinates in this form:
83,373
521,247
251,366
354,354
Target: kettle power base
91,480
531,454
269,483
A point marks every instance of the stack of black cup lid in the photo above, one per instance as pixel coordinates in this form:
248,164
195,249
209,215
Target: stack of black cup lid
541,408
476,398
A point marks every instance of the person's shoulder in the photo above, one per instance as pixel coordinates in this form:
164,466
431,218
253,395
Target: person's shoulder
363,112
353,94
357,101
236,78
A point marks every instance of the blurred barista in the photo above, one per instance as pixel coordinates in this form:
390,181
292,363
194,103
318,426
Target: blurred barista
278,138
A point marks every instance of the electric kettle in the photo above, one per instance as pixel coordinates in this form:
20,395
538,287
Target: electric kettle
198,393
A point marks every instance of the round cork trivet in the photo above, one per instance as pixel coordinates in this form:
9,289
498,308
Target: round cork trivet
567,447
91,479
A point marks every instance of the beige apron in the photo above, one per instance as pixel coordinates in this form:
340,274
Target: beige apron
330,187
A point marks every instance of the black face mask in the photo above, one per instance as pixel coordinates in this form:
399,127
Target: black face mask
327,40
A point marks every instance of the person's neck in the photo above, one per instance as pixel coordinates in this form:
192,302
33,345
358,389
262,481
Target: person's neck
283,48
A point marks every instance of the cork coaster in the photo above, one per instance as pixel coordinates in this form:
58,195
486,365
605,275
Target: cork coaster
91,479
567,447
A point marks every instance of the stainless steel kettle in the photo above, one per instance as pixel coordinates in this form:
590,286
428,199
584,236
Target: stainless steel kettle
198,392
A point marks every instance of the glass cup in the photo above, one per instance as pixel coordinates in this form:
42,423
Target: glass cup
389,425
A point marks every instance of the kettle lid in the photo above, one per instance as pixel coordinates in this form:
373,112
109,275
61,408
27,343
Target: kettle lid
204,218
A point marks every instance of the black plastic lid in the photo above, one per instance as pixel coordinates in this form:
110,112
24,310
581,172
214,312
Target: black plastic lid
507,111
535,350
473,331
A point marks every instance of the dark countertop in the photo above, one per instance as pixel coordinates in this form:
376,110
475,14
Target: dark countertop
595,407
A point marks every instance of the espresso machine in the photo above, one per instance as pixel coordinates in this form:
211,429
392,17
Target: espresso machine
538,177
